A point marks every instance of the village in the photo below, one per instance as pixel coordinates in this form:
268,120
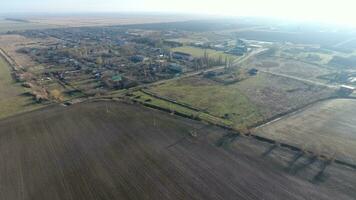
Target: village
94,61
166,108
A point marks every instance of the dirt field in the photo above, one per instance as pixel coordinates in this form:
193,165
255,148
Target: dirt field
328,128
108,150
62,21
105,19
12,100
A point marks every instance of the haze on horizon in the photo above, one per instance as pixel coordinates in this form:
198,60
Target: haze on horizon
339,12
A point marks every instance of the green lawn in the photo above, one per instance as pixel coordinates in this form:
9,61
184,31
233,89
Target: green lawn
144,98
12,100
219,100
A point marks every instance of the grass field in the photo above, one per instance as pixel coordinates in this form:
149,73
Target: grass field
108,150
212,97
199,52
289,67
12,100
328,128
244,103
174,108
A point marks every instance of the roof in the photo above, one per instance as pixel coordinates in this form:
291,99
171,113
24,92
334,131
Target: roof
116,78
181,53
347,87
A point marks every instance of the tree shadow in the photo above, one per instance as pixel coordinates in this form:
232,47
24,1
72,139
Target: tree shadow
321,176
295,168
295,159
269,150
227,139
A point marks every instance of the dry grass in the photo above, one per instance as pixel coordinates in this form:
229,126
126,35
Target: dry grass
327,128
289,67
11,43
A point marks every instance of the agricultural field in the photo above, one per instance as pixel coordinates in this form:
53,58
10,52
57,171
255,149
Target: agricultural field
327,127
81,20
289,67
313,54
326,39
110,150
6,26
57,21
247,102
199,52
12,95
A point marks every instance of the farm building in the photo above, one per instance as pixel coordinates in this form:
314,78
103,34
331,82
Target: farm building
173,67
182,56
137,58
346,90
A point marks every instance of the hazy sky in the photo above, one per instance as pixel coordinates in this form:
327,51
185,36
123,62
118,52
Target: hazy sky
325,10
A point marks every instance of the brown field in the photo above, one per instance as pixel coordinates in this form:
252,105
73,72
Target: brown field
62,21
6,25
105,19
328,128
108,150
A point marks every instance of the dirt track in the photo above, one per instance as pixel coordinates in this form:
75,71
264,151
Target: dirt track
107,150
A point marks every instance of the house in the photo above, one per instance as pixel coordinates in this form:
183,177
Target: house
137,58
116,78
252,72
175,68
345,89
238,50
182,56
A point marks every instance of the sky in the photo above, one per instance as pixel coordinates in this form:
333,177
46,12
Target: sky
333,11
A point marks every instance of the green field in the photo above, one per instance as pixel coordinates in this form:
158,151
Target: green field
12,98
150,100
247,102
214,98
199,52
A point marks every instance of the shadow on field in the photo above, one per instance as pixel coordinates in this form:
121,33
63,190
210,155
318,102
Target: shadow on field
295,167
269,150
26,94
227,139
321,176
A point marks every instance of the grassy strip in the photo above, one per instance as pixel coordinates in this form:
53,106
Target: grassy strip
151,101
